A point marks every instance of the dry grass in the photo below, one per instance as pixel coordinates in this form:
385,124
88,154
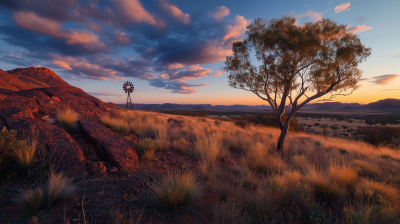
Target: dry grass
230,211
276,187
118,125
59,187
68,119
259,158
210,149
369,192
175,192
344,176
325,190
146,149
26,152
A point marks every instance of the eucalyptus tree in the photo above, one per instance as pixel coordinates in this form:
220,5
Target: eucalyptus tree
297,64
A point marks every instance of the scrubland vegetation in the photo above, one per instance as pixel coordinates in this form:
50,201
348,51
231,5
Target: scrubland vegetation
316,179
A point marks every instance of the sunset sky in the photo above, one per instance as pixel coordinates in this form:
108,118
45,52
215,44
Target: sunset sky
173,51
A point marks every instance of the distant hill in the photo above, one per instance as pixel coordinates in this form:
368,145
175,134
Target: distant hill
386,105
10,82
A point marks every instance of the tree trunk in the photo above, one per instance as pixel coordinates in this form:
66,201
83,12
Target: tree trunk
281,139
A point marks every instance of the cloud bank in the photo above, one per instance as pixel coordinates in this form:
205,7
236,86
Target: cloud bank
87,39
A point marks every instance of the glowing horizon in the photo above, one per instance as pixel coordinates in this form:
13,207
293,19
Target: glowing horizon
173,50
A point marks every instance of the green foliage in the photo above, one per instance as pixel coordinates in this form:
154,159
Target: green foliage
8,142
311,60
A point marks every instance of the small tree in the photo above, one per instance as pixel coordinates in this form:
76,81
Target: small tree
298,64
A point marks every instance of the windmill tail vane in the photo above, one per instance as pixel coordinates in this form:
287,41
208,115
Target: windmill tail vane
128,88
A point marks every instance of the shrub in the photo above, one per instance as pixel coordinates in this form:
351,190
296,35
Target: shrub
175,193
369,192
344,176
210,149
25,152
58,187
326,192
257,158
378,135
68,119
8,142
181,146
146,148
366,169
230,211
242,123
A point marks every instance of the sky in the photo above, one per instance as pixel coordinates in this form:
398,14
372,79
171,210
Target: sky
173,51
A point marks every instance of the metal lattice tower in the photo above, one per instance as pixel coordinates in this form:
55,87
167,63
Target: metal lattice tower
128,88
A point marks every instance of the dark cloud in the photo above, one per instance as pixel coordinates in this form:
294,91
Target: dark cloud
175,86
383,79
85,38
362,19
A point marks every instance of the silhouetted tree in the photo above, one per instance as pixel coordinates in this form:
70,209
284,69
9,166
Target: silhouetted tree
298,64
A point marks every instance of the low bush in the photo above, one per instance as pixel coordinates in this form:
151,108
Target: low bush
146,148
344,176
326,192
67,119
242,123
378,135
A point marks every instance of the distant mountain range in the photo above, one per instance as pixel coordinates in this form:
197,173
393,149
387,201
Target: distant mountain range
385,105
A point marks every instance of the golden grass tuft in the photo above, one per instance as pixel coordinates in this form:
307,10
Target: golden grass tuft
162,138
68,119
26,152
181,145
58,187
365,169
116,124
369,192
344,176
325,190
146,148
258,158
175,192
210,149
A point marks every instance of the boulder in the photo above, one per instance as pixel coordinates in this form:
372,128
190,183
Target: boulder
110,146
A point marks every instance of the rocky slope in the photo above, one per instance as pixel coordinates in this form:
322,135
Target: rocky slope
33,97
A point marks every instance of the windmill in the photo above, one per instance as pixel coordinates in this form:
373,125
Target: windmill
128,88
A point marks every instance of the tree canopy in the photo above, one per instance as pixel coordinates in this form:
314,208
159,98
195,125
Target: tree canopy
298,64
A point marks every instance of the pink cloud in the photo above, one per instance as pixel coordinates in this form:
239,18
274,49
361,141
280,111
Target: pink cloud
237,29
312,15
190,72
122,38
92,71
383,79
133,11
219,73
174,66
220,12
358,29
175,12
32,22
342,7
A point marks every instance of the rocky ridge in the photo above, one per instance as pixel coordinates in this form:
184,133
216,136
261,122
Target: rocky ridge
33,97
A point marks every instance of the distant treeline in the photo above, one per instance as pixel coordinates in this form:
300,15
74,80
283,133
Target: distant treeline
185,113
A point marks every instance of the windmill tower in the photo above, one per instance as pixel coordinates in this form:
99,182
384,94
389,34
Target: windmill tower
128,88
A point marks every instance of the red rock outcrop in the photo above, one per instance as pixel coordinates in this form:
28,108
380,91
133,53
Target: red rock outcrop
38,77
22,105
109,145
